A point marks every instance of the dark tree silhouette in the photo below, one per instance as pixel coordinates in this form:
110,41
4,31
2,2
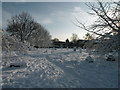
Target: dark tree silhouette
25,28
21,26
108,18
88,36
107,26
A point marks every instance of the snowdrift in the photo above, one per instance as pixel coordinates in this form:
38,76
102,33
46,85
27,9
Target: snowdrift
61,68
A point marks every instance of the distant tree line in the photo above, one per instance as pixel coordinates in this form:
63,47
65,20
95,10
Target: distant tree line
68,44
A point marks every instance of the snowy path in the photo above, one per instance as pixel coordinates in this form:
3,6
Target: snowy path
69,74
60,68
86,75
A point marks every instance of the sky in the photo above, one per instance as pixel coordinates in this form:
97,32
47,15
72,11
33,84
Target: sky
56,0
0,15
56,17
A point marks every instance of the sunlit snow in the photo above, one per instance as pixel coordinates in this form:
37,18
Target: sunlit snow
60,68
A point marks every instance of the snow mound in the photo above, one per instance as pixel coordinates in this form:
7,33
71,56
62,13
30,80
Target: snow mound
64,68
110,58
51,71
11,43
89,59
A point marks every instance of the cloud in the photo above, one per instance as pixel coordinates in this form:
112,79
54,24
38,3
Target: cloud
55,13
71,14
77,9
59,16
83,16
47,21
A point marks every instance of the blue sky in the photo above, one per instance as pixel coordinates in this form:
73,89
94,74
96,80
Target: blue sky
56,17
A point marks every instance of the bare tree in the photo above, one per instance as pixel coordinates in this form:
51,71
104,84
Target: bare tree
108,18
74,37
41,37
107,26
88,36
25,28
21,26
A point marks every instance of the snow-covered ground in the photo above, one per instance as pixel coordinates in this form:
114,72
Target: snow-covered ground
60,68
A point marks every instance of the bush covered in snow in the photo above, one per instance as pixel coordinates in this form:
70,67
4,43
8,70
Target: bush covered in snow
11,43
